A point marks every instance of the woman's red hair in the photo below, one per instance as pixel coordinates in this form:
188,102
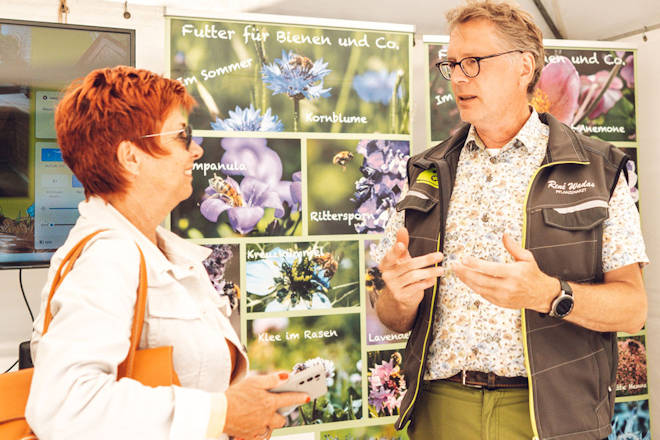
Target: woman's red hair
103,109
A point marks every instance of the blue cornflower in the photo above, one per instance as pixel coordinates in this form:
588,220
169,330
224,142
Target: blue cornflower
248,119
297,76
376,86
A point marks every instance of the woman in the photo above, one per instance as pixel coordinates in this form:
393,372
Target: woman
124,134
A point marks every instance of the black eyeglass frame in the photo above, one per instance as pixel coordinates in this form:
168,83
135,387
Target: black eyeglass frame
453,64
187,130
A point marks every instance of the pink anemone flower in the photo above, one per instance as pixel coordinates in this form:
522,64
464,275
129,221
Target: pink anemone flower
590,87
558,90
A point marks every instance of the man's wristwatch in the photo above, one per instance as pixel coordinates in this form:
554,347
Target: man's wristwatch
563,304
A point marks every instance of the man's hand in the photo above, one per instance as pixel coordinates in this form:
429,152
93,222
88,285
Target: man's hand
251,408
405,280
516,285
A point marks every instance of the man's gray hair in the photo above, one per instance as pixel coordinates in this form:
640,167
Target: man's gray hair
515,26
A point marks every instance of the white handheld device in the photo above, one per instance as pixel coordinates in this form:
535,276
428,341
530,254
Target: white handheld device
310,381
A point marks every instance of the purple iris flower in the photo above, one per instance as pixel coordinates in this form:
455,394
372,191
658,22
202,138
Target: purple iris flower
246,207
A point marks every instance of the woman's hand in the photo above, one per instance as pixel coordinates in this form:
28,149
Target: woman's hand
251,408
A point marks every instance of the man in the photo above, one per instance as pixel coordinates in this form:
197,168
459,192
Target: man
514,257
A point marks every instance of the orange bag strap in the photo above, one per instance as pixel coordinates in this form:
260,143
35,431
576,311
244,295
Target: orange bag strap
65,267
126,367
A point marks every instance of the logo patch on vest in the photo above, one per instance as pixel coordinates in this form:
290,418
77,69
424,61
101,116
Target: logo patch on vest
570,187
429,177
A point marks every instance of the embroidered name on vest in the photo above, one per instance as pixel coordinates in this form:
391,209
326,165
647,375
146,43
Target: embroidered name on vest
429,177
570,187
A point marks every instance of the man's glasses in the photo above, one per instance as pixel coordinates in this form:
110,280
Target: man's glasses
469,65
187,132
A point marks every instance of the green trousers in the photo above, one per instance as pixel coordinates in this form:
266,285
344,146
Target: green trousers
447,410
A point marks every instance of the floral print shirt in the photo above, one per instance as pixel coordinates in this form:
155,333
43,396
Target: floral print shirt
470,333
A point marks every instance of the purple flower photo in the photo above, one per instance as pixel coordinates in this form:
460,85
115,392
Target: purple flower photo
367,178
243,187
387,385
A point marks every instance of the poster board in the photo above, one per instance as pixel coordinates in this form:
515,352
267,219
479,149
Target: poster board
305,126
590,86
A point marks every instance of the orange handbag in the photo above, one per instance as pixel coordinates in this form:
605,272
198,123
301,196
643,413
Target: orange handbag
150,366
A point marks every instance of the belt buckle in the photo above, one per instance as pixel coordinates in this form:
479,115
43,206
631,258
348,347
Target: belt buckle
463,377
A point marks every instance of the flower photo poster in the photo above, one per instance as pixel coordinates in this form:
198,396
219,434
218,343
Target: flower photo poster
591,89
306,135
589,86
250,76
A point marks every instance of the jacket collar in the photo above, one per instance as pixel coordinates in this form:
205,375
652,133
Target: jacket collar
172,254
563,144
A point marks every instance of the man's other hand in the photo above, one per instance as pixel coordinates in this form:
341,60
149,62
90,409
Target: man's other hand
516,285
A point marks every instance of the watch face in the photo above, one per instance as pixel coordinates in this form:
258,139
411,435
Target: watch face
564,306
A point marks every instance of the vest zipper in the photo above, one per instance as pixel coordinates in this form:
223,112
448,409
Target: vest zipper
426,337
532,414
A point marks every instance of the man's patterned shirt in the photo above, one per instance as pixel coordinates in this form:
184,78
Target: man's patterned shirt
470,333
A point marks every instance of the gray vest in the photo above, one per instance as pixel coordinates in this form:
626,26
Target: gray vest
571,370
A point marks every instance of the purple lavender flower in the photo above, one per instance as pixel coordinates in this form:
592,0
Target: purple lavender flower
296,76
248,119
377,86
384,172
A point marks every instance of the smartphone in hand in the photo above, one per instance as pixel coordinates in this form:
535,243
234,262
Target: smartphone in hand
310,381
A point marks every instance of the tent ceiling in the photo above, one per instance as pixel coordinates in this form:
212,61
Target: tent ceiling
576,20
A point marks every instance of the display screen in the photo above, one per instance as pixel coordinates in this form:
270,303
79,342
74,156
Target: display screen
39,195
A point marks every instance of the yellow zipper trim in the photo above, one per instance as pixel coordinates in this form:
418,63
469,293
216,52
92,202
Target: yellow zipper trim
428,331
532,414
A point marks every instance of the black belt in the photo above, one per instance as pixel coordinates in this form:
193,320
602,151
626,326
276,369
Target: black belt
479,379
